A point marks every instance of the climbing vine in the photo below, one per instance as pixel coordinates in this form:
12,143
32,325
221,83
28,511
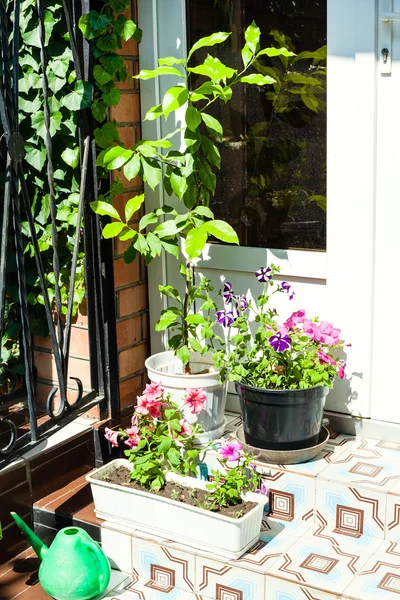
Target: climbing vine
67,96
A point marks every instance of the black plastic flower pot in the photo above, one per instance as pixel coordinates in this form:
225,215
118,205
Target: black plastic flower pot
281,419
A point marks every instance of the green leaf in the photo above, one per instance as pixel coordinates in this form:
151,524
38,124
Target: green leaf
154,244
35,156
247,55
99,111
112,97
213,68
195,241
275,52
28,106
133,206
195,319
127,235
130,254
211,40
39,125
151,172
71,156
154,113
213,126
98,21
104,208
106,135
168,317
174,456
178,184
183,354
193,118
146,220
32,37
112,63
174,98
101,75
319,201
108,42
125,28
164,445
170,292
257,79
166,229
146,74
80,97
44,210
170,247
204,211
119,5
112,230
132,167
206,175
222,231
170,61
252,37
116,157
211,151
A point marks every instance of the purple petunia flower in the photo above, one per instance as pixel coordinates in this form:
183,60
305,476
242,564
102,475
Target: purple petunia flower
263,274
285,286
242,302
225,317
231,452
291,296
227,292
280,342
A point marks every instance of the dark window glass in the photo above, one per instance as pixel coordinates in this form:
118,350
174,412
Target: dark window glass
272,185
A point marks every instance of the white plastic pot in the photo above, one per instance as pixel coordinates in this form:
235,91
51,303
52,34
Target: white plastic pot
166,369
223,536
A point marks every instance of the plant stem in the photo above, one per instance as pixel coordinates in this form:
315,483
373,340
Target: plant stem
186,306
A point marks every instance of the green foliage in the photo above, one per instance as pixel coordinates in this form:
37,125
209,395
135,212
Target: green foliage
189,175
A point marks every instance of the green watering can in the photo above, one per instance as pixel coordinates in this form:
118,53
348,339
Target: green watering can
74,567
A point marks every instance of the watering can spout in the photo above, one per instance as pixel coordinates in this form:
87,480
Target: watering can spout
36,543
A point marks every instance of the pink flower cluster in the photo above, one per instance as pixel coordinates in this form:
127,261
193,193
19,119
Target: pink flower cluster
151,403
324,332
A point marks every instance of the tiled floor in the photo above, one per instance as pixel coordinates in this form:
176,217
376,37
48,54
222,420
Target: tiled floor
332,532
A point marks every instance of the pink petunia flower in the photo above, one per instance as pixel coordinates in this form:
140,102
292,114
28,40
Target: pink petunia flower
185,427
341,369
145,406
132,441
153,391
295,318
111,436
325,359
195,399
230,451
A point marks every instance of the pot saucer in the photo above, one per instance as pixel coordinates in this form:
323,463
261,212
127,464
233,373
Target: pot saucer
284,457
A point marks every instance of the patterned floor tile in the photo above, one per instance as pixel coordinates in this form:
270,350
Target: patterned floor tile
140,589
350,510
291,497
274,540
364,468
278,589
166,566
226,582
393,514
380,446
379,577
118,581
324,560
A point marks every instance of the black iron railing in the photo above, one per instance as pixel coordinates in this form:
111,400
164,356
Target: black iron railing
98,252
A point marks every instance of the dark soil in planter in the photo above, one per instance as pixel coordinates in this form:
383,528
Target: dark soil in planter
179,493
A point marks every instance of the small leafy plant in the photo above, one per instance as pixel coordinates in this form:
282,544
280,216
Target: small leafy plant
160,439
227,488
190,175
297,354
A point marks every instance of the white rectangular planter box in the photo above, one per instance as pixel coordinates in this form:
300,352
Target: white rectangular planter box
190,525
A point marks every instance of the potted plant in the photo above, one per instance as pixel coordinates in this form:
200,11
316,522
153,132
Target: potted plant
190,176
283,372
156,489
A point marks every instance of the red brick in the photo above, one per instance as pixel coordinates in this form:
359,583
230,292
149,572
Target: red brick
42,391
132,360
145,326
129,390
128,109
132,300
46,368
127,135
129,332
124,274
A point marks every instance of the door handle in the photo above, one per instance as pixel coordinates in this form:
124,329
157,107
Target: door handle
386,17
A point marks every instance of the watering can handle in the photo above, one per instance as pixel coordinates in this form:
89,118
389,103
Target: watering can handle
105,570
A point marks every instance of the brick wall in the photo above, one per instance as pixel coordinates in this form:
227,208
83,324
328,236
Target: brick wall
130,281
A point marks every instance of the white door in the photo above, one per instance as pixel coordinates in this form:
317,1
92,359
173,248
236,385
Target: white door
336,281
